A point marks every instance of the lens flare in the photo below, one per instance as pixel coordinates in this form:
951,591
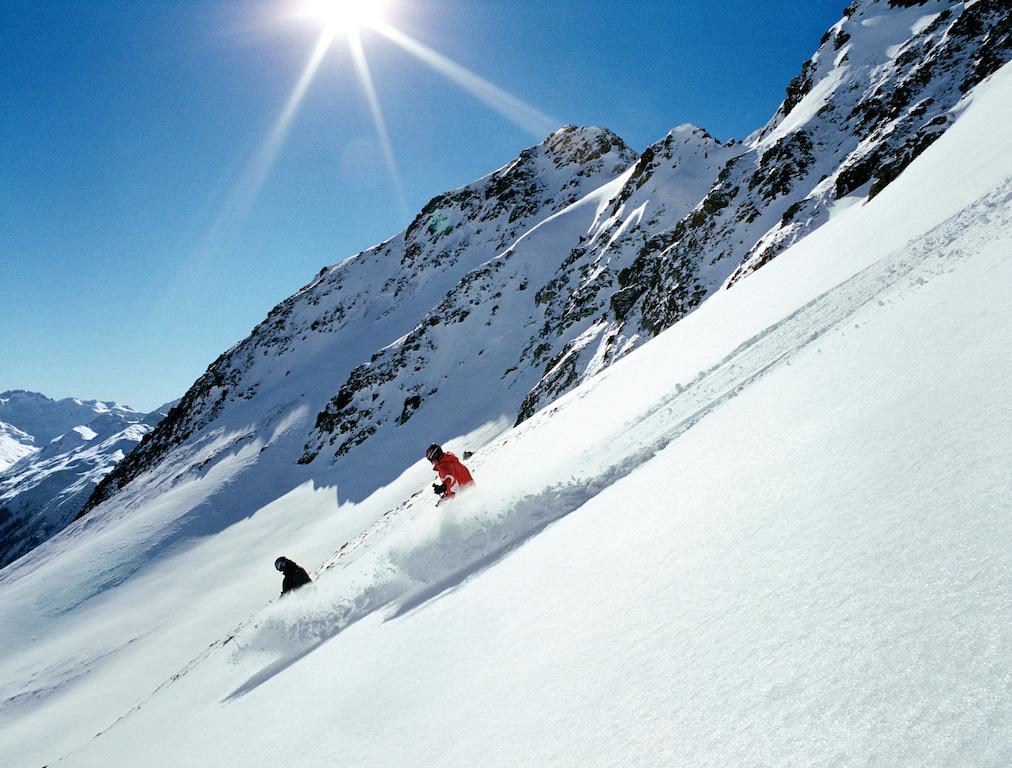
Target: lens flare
365,78
516,110
233,213
346,18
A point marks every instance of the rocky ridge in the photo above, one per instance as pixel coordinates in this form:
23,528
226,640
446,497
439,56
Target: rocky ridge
880,89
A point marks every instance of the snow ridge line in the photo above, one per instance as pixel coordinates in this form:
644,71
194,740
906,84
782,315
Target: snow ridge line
344,556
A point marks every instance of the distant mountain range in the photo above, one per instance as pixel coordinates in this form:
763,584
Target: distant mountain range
52,455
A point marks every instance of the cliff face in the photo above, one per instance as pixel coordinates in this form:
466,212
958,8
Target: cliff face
515,332
694,215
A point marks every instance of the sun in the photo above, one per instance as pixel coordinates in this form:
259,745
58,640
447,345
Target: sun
343,15
341,21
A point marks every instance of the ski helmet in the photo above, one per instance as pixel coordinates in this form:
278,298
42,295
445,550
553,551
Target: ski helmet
434,452
280,563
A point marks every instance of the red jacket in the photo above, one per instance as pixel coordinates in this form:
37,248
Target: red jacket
452,474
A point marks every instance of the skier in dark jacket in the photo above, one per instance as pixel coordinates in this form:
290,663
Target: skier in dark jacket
295,574
453,475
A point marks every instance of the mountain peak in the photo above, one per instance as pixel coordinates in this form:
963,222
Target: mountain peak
552,266
578,145
24,394
45,418
686,129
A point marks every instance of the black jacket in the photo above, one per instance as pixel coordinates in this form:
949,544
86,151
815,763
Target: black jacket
295,577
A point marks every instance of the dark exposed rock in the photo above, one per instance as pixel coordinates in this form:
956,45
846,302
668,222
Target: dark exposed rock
492,212
411,404
799,87
784,164
622,301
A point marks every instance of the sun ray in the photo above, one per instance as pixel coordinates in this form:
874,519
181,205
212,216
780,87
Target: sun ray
365,77
346,18
236,207
515,109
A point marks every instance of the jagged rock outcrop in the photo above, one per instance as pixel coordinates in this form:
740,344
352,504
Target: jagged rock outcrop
880,89
528,313
871,99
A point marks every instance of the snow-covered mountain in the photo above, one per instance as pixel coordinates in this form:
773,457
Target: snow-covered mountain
295,360
58,451
503,295
776,533
44,418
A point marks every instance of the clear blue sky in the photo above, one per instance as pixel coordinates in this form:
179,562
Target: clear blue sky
125,126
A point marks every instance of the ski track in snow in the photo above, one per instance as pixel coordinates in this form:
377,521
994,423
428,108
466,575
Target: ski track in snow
414,554
917,262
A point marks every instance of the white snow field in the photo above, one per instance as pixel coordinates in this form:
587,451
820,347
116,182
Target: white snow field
779,534
15,444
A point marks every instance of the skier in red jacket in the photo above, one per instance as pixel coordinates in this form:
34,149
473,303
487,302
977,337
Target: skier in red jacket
452,474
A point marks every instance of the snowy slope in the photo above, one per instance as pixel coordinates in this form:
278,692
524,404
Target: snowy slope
518,322
55,469
777,534
14,445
